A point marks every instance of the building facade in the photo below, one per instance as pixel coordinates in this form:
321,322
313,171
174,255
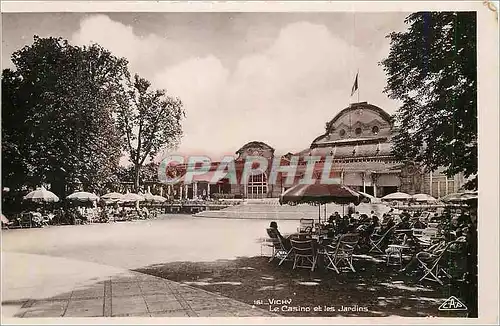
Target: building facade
358,138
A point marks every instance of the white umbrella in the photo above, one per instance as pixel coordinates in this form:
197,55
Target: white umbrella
459,197
397,196
41,195
423,198
131,197
147,196
159,199
112,196
83,196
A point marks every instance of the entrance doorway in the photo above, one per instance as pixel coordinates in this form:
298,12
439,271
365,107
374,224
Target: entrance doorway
257,186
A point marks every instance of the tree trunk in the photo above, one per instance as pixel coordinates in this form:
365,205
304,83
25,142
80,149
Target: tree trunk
137,171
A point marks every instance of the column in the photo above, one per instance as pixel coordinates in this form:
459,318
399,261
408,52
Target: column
446,185
161,191
364,182
149,188
374,190
430,183
185,191
208,190
342,177
195,190
438,189
181,188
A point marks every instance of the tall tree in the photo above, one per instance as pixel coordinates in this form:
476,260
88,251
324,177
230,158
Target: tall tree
57,122
431,69
148,120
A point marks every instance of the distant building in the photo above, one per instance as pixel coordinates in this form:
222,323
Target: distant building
358,138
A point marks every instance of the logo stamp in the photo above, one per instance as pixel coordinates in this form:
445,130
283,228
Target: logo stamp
452,304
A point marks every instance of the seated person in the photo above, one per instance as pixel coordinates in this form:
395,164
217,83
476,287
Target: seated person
390,223
364,218
285,241
405,223
434,218
426,253
385,218
366,232
419,224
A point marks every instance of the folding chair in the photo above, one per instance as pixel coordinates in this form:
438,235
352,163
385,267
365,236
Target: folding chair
279,250
433,263
341,255
305,255
306,225
377,240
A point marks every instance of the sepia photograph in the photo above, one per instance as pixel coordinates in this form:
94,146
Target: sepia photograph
229,163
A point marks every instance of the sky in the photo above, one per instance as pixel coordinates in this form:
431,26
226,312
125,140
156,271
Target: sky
270,77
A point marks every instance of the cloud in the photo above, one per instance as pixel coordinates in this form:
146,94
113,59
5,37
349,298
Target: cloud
282,94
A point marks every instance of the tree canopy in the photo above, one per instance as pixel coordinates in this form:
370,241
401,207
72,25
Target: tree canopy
148,120
57,122
431,70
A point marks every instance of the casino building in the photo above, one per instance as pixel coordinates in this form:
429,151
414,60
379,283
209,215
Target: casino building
359,140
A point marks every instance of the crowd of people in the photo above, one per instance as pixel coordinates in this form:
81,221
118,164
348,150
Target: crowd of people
83,214
448,225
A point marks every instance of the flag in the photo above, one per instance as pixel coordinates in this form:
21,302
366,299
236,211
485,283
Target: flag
355,86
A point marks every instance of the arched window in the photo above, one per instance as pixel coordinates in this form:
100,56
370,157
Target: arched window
375,130
257,185
342,132
358,131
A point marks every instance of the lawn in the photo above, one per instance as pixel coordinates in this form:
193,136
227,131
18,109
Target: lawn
374,290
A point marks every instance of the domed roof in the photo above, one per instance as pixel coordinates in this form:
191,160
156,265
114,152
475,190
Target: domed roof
360,122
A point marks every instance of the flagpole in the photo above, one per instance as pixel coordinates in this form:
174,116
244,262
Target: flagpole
359,90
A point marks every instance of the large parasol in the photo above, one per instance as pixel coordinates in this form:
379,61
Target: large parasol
131,197
83,196
112,196
149,197
397,196
320,194
460,197
41,195
423,198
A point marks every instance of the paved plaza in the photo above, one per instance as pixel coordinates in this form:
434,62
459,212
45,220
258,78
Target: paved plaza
136,295
76,271
59,287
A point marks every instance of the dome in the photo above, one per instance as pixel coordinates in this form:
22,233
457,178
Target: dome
360,122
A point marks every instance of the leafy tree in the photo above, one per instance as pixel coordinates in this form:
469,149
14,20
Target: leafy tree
148,121
431,69
57,122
